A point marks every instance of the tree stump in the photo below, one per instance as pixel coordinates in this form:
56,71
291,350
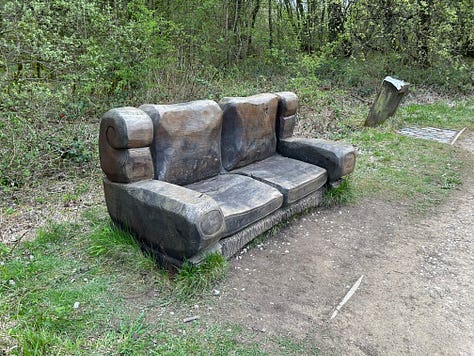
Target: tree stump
388,98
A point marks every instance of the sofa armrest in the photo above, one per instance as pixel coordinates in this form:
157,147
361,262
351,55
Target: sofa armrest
337,158
124,139
177,221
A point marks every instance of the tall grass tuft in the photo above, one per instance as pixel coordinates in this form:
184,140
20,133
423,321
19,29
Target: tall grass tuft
191,281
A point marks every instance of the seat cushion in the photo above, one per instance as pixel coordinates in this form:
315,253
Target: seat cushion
294,179
243,200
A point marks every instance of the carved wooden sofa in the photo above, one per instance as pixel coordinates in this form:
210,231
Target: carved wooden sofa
199,177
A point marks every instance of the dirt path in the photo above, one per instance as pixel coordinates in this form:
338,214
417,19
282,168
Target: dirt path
417,295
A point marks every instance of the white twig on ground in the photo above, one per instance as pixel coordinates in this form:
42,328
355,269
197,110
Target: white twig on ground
347,297
192,318
457,136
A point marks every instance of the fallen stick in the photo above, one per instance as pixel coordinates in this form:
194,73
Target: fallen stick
347,297
361,99
457,136
187,320
17,242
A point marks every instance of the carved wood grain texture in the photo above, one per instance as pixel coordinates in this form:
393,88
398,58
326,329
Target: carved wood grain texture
127,127
294,179
243,200
186,144
248,129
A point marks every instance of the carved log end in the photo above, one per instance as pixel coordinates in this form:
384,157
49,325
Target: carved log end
127,127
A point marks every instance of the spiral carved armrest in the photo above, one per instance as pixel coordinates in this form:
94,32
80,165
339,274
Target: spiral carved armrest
125,136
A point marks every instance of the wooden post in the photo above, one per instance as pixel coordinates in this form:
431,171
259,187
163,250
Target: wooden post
387,101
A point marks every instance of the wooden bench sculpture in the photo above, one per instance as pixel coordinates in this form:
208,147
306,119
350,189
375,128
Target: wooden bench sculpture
199,177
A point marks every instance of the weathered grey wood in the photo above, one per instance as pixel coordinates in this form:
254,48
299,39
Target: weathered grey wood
337,158
285,126
187,142
287,103
248,129
172,263
286,114
243,200
175,220
124,136
233,244
127,127
126,165
386,103
294,179
186,146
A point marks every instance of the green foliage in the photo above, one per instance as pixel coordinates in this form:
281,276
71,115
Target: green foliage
196,280
401,167
341,195
454,115
131,336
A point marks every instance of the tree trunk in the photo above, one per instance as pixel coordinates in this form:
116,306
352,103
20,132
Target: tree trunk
270,25
424,14
252,23
335,20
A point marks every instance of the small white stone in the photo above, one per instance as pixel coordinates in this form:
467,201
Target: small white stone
11,282
76,305
216,292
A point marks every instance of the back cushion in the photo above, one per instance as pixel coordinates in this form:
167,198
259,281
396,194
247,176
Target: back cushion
186,142
248,129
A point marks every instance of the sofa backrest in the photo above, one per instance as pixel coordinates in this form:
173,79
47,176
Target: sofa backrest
248,129
186,140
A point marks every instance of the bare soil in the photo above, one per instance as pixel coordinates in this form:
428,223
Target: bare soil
416,296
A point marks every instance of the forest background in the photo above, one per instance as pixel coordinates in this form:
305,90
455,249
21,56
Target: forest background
64,63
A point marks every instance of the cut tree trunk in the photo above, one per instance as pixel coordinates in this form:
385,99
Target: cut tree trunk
387,101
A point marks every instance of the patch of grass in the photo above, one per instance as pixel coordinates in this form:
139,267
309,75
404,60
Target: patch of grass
114,247
340,195
295,347
394,167
397,167
444,114
191,281
84,288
